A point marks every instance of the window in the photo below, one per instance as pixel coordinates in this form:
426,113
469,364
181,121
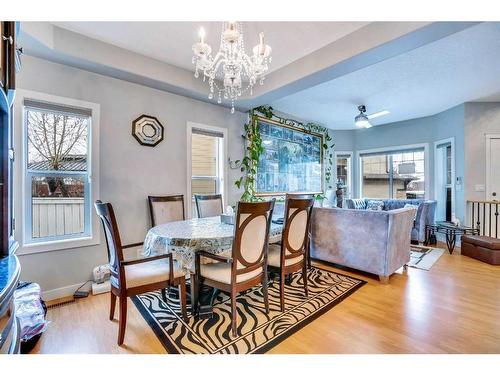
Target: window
60,170
393,174
344,171
206,162
57,171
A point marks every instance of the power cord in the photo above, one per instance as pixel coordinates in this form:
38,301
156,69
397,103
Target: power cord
81,294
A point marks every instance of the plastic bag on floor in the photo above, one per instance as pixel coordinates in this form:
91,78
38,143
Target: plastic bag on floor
31,311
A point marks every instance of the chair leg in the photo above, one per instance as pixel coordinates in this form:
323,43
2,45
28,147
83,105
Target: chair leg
123,318
264,291
112,306
164,295
282,292
304,278
182,298
308,252
234,314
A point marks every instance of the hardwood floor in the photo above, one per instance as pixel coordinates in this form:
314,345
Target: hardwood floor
453,308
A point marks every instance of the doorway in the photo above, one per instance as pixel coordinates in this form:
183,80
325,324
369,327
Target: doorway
444,177
492,167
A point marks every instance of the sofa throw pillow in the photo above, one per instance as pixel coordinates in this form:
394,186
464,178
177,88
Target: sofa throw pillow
375,205
358,204
408,205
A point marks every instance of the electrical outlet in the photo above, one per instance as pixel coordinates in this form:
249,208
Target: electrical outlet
479,187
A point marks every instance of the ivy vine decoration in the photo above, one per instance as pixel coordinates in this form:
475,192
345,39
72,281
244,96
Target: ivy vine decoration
248,165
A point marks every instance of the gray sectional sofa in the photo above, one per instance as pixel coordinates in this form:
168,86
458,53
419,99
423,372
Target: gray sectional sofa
425,212
377,242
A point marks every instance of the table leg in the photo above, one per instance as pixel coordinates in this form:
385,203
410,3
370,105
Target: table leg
450,241
194,293
206,302
430,237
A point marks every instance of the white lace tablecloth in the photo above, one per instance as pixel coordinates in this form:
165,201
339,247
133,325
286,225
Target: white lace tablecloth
184,238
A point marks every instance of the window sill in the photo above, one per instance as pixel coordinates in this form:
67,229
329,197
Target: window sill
57,245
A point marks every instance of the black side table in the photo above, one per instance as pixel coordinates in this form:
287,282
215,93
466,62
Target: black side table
450,230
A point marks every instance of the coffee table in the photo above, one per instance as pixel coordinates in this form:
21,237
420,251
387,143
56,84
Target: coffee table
450,230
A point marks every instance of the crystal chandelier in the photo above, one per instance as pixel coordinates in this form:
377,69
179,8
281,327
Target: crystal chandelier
231,72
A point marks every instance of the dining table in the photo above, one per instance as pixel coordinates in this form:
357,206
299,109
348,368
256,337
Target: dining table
184,238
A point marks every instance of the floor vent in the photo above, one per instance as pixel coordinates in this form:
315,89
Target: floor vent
60,302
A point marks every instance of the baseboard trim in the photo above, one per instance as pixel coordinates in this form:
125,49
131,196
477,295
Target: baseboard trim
65,291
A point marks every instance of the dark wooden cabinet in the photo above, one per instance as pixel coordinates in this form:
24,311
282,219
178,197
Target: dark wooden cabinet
9,264
7,92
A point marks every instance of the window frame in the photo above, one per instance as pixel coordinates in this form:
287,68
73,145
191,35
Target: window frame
23,233
350,156
394,149
452,185
221,180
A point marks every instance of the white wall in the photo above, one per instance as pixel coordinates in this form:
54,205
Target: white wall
480,119
128,172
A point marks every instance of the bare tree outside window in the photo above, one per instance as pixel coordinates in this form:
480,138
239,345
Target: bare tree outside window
57,142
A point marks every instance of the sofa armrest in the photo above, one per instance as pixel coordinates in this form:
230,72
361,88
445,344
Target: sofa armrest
401,222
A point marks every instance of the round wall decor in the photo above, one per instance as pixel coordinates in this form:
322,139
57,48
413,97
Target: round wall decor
147,130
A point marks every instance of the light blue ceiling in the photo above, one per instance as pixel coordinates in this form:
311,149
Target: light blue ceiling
459,68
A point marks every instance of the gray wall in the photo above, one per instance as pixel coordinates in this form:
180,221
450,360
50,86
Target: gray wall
129,172
443,125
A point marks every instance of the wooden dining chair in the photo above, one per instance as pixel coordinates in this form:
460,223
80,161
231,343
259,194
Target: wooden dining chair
289,256
247,265
133,277
308,245
167,208
208,205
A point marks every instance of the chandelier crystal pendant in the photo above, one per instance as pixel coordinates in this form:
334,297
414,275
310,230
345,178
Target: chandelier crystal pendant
231,72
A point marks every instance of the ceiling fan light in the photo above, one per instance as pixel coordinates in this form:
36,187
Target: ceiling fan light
362,121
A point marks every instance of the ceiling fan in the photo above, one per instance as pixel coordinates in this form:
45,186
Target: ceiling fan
363,121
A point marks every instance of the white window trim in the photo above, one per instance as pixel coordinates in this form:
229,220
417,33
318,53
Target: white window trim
451,141
222,163
20,167
350,169
425,146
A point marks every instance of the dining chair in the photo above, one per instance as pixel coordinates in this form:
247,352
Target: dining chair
167,208
290,255
308,245
247,265
133,277
208,205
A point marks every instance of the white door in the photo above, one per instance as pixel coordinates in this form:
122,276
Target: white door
493,167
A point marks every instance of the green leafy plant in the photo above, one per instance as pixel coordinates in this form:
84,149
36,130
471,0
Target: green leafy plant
248,165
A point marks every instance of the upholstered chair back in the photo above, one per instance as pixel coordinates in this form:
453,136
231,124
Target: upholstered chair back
166,209
296,226
208,205
112,235
251,237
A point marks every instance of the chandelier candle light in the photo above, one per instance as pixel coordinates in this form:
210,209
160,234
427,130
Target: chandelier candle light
231,72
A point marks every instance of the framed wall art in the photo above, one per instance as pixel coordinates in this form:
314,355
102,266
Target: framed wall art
291,161
147,130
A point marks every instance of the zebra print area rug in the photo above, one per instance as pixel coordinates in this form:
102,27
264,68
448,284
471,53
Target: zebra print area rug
257,331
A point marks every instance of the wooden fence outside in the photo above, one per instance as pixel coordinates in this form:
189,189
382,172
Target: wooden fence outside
57,216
